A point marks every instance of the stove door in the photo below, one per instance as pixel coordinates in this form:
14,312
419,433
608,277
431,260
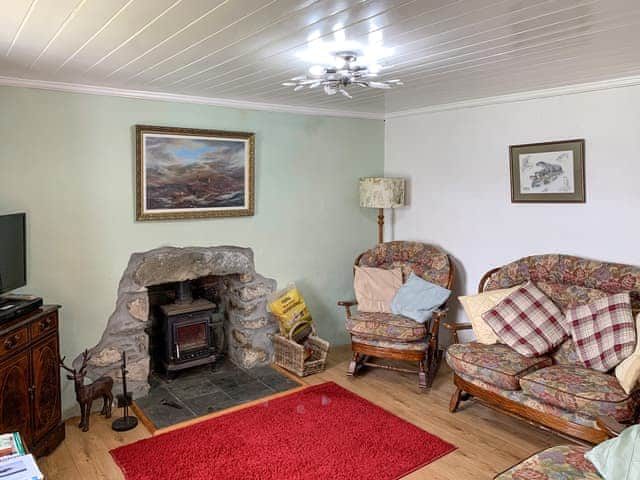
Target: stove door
192,339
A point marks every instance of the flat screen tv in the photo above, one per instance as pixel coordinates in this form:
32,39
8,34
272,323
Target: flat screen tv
13,252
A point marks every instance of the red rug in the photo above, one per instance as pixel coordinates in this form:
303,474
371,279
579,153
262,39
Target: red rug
322,432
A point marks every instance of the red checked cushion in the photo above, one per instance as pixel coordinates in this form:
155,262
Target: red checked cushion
528,321
603,331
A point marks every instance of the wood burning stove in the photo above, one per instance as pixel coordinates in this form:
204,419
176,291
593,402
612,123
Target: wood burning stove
189,332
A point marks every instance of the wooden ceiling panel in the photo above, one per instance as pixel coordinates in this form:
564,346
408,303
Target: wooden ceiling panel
444,50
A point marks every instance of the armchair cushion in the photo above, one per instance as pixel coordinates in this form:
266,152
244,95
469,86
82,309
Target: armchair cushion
603,331
417,299
578,389
564,462
528,321
496,364
375,288
417,346
385,326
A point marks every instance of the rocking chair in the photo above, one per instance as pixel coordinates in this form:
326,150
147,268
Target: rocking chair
384,335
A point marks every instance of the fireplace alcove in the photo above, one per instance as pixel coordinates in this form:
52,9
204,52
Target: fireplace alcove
230,271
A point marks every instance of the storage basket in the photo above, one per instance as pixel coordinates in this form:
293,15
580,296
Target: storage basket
290,355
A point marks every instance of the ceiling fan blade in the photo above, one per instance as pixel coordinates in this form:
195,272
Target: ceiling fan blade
345,93
299,77
298,88
316,84
289,84
396,81
379,85
361,84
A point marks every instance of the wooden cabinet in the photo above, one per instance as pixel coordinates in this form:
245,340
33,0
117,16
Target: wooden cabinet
30,380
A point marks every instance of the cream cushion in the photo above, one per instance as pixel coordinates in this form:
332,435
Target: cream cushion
628,371
475,305
375,288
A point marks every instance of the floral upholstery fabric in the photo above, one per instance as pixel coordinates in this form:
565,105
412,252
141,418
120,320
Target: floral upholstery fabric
572,271
520,397
419,346
385,326
426,261
564,462
570,296
579,389
497,364
566,354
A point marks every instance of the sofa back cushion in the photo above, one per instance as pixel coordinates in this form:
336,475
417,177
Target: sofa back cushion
428,262
570,272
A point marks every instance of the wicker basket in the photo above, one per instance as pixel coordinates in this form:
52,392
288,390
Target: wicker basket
290,355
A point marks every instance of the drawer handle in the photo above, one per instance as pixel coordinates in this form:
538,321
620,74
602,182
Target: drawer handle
46,323
11,343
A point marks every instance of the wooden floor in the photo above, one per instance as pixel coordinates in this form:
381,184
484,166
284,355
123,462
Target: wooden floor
488,442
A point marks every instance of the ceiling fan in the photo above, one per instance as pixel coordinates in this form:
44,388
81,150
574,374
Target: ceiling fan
339,77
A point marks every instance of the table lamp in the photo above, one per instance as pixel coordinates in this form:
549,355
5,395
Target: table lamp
381,193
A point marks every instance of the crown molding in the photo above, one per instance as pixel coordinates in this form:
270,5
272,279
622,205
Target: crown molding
520,97
175,97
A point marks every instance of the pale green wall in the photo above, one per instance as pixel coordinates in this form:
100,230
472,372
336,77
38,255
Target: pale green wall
68,161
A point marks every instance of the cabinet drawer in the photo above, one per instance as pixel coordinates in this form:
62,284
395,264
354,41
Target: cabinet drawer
13,341
44,326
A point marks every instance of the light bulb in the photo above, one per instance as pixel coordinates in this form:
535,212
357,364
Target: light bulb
316,70
339,62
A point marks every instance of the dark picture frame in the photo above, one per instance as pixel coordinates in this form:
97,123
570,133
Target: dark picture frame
188,173
549,172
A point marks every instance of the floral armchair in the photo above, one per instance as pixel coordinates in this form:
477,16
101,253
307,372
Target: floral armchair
384,335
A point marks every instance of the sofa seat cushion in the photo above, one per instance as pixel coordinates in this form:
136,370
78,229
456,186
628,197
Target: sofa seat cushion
496,364
580,389
385,326
564,462
417,346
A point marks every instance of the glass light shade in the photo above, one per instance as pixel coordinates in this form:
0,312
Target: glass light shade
380,192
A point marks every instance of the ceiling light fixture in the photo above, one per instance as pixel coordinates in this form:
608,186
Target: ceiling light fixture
341,64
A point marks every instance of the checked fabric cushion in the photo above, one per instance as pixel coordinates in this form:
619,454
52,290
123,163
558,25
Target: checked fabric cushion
603,331
528,321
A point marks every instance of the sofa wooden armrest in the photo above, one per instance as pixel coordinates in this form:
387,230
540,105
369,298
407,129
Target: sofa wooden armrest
455,328
610,425
347,304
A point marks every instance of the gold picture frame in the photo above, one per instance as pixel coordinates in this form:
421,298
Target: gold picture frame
188,173
550,172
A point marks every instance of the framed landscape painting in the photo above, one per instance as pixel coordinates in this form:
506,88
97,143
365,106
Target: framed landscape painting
551,172
186,173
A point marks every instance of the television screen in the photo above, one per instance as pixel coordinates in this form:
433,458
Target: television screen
13,260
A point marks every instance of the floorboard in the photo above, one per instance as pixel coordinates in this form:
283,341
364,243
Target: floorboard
488,442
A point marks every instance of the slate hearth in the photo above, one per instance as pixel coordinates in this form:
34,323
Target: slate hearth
202,390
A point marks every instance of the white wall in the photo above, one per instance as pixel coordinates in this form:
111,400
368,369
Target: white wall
457,164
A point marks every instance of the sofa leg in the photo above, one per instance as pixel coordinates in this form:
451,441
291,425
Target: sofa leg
353,365
422,375
454,403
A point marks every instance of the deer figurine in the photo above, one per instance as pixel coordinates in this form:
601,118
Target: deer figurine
86,394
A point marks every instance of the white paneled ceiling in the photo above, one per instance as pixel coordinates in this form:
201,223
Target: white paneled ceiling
444,50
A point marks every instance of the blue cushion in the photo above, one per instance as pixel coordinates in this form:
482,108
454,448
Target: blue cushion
417,299
618,458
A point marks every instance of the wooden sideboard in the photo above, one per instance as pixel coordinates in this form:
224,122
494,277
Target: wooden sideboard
30,400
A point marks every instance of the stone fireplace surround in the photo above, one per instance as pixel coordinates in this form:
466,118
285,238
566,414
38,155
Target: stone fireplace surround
243,294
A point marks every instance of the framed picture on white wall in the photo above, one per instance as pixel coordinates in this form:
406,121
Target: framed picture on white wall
550,172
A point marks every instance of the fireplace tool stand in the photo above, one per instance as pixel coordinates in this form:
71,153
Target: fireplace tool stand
126,422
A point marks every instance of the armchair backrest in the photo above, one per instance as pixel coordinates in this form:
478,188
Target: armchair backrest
426,261
566,279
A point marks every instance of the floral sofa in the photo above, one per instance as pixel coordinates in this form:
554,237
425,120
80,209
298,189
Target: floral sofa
554,391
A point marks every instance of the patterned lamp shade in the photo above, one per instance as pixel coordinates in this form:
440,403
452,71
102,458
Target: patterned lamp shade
378,192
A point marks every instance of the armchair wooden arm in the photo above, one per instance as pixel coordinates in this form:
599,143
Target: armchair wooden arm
347,304
610,425
455,328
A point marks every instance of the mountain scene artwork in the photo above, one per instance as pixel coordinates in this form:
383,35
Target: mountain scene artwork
192,175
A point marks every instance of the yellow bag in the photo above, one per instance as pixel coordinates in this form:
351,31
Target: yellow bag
289,308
